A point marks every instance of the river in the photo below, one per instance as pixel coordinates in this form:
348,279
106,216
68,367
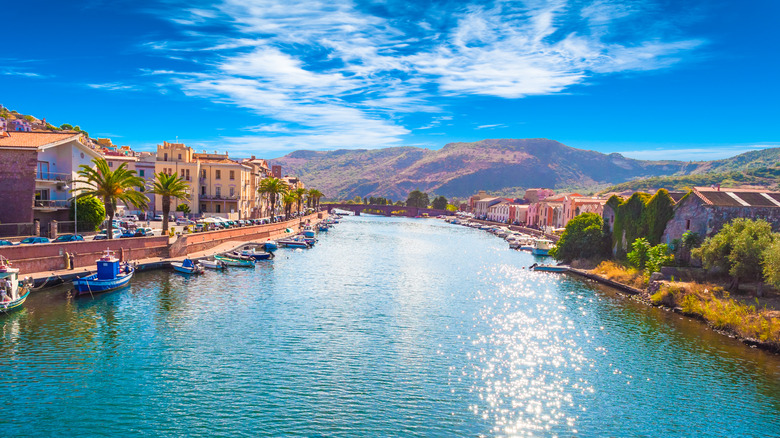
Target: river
388,327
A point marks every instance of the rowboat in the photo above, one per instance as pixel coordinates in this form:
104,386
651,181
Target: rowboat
294,242
270,246
111,275
187,267
212,264
13,293
230,261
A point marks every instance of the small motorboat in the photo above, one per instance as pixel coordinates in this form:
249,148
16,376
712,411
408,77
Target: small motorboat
111,274
549,268
308,231
237,262
187,267
213,264
257,255
270,246
322,226
294,242
542,247
310,240
13,292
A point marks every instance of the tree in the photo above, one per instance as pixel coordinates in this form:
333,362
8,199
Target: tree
66,127
689,241
315,196
111,186
274,189
738,248
440,203
168,187
771,262
657,257
184,208
451,207
299,195
582,239
417,199
288,199
91,213
639,253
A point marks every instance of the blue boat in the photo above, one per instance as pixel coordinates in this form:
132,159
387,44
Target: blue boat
323,227
542,247
270,246
13,293
257,255
187,267
111,274
308,232
549,268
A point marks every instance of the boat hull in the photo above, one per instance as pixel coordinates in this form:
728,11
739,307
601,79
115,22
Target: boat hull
550,268
92,285
236,262
540,252
14,305
185,270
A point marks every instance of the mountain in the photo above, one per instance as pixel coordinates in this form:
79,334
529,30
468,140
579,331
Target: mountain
459,169
763,177
505,166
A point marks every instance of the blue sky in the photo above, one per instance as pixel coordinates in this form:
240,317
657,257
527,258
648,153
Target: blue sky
651,79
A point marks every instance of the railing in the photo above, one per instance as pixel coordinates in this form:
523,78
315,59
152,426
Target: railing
51,204
51,176
17,229
220,197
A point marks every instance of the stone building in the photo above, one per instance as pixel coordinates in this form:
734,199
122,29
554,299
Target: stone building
705,210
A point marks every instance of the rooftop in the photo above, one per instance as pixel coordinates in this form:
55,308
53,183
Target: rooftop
726,197
35,139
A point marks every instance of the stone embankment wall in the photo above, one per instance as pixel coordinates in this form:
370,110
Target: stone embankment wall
51,256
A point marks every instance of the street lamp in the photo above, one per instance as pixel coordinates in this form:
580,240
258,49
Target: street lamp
75,212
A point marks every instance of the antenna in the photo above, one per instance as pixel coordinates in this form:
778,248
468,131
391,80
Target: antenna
177,139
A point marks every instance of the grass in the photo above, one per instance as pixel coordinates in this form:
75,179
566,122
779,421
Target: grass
715,306
621,274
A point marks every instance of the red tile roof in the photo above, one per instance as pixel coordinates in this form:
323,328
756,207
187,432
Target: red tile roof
34,139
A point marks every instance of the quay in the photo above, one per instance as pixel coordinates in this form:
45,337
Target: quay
148,255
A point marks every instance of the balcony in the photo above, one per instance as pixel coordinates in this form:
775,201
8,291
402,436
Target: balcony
44,176
50,204
220,197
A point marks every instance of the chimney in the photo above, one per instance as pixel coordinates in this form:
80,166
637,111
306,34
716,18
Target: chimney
718,187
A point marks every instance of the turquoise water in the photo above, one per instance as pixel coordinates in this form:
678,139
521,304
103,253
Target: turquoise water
388,327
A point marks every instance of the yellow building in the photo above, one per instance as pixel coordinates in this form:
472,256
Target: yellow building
176,158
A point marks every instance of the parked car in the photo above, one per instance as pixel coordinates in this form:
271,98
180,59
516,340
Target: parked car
5,243
141,232
103,236
132,217
157,217
34,240
148,231
184,221
127,233
69,238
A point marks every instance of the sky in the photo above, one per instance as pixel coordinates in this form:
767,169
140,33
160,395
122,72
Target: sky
652,79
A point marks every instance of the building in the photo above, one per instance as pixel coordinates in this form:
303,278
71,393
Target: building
518,214
472,204
574,205
177,158
19,125
536,195
142,163
481,206
276,170
499,212
706,209
3,124
260,171
38,170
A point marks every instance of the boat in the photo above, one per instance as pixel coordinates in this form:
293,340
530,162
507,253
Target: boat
270,246
310,240
293,242
308,231
13,292
323,227
230,261
212,264
542,247
257,255
549,268
111,274
187,267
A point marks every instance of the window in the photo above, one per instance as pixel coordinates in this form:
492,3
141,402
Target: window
188,174
217,174
232,174
141,173
182,173
203,173
232,191
110,164
202,208
219,209
180,156
218,191
687,224
165,157
203,190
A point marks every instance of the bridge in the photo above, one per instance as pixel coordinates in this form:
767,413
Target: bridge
387,210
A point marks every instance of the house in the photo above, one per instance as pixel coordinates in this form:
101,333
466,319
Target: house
518,213
142,163
499,212
706,209
536,195
38,169
574,206
472,204
481,206
19,125
3,124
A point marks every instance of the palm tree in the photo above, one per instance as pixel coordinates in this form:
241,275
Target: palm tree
299,194
111,187
288,200
169,186
315,196
274,188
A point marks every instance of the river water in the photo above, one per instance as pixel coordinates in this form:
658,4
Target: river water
388,327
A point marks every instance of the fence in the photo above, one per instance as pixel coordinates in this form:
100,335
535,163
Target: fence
18,229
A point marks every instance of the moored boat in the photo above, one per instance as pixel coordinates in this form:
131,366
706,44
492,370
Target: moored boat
323,227
294,242
549,268
308,231
231,261
257,255
270,246
111,274
212,264
13,292
187,267
542,247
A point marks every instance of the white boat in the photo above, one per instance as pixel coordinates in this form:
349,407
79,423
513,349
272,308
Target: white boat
187,267
213,264
542,247
15,292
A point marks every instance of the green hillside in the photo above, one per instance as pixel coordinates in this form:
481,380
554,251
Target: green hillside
768,177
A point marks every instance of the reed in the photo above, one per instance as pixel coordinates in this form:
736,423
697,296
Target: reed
621,274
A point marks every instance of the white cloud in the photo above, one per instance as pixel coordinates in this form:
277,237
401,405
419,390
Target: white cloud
499,125
695,154
345,74
113,86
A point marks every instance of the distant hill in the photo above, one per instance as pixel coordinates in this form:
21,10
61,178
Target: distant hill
505,166
765,177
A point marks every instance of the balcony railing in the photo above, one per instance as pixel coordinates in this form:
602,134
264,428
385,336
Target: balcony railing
51,176
220,197
51,204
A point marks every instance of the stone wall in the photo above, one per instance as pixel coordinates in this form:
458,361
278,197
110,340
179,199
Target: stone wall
50,257
17,172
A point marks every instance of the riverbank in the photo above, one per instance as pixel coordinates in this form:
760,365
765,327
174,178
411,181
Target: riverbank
196,245
711,304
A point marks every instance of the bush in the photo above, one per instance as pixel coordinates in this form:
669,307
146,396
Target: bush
583,238
91,213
